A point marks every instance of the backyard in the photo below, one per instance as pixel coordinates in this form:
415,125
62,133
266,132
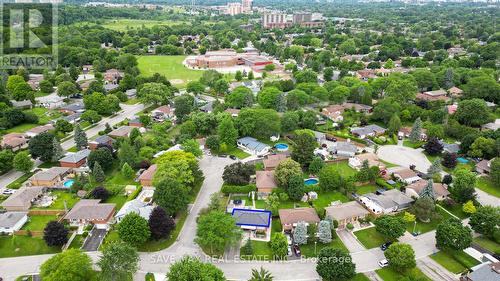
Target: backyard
38,223
456,261
370,237
62,197
16,246
170,66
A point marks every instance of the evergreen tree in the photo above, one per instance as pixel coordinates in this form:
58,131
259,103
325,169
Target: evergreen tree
295,187
325,232
80,137
57,151
300,233
416,130
127,171
434,168
394,124
98,173
250,75
448,78
428,191
247,248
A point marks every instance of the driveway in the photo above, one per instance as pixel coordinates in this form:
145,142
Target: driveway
404,156
94,240
350,241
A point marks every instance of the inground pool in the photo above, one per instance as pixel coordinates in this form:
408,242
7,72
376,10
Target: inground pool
68,183
311,181
462,160
281,146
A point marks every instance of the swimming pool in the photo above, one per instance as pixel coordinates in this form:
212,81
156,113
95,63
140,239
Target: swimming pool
68,183
462,160
311,181
281,146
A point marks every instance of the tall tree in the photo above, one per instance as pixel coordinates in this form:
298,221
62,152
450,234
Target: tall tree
261,275
80,138
329,267
71,264
463,189
98,173
119,261
401,257
57,150
134,229
285,170
303,149
300,233
127,154
394,124
227,132
160,223
42,146
416,130
452,234
325,231
295,188
486,221
391,227
171,195
22,162
216,230
55,234
279,245
189,268
428,191
435,168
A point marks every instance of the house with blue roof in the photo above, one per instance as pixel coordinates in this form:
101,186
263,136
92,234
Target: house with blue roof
253,146
257,222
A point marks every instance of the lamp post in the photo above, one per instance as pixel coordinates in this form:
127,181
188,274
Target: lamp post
315,242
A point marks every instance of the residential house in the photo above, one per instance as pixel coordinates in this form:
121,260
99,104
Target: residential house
484,166
21,199
492,125
450,147
33,132
346,213
75,160
14,141
50,101
406,131
250,219
233,111
368,131
290,217
141,205
51,177
113,76
34,81
103,140
356,162
405,174
455,92
484,272
207,107
121,132
110,87
253,146
433,95
387,202
72,108
334,112
11,222
87,68
131,93
23,104
343,149
73,118
90,211
146,178
264,180
358,107
164,112
135,122
413,190
272,161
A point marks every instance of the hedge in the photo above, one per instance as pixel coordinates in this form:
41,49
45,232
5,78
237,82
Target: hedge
134,194
381,182
227,189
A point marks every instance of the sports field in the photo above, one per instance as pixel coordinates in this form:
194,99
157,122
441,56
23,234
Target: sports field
170,66
125,24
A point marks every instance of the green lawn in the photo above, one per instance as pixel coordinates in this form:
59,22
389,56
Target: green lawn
488,244
370,238
343,168
388,274
21,128
16,246
47,165
308,249
237,152
77,242
62,196
359,277
17,183
261,251
486,185
366,189
455,209
116,182
170,66
456,262
157,245
131,101
411,144
324,200
37,223
424,227
126,24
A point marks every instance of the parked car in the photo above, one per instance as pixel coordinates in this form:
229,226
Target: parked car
385,246
296,249
289,250
233,157
8,191
223,155
237,201
383,263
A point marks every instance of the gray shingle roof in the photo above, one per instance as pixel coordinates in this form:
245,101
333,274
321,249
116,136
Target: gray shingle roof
10,219
75,157
51,173
368,129
252,217
252,144
90,209
22,198
485,273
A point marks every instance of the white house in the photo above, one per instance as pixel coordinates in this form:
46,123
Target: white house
140,205
253,146
12,221
389,201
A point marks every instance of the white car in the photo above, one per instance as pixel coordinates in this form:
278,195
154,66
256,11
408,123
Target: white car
289,250
8,191
383,263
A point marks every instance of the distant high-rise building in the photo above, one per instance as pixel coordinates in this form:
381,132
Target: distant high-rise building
302,17
246,5
274,20
235,8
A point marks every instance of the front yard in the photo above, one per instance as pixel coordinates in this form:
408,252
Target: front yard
485,184
488,244
454,261
16,246
370,237
308,250
388,274
424,227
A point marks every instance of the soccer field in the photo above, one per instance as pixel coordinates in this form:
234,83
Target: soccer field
170,66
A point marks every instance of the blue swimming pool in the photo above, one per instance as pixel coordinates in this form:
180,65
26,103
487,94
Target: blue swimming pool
281,146
462,160
311,181
68,183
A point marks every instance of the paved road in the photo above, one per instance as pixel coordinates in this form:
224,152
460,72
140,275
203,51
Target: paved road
404,156
434,270
350,241
487,199
127,112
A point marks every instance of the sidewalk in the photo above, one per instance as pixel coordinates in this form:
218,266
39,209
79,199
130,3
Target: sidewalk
434,270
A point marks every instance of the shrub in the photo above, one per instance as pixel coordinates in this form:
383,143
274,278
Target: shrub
227,189
382,183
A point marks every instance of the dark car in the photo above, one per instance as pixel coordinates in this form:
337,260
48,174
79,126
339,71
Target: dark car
223,155
296,249
385,246
233,157
237,201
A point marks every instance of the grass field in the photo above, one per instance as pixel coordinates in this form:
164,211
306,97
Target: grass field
62,196
487,186
424,227
308,249
488,244
16,246
455,262
170,66
388,274
366,189
36,223
344,169
370,238
126,24
261,251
